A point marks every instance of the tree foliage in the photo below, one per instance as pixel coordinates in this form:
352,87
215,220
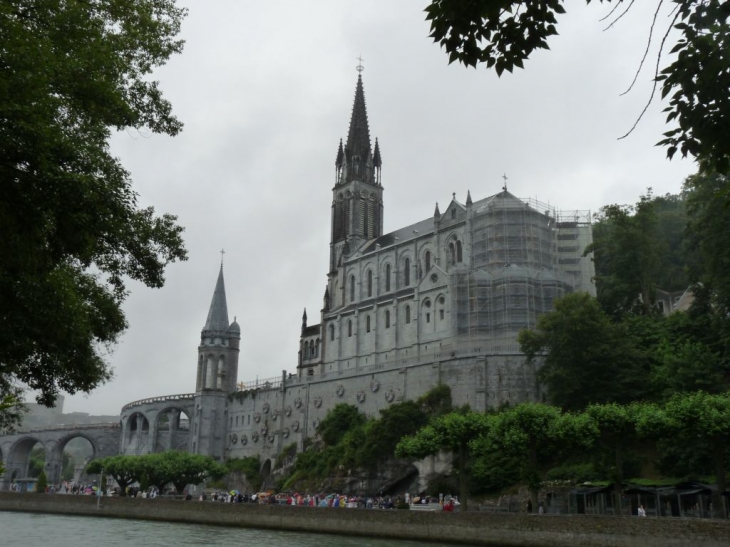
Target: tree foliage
587,358
502,34
338,421
453,432
159,469
72,231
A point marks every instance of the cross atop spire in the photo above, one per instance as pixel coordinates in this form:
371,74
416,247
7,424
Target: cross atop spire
504,177
359,66
222,251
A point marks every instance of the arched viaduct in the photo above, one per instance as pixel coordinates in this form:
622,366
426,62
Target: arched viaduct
157,424
15,449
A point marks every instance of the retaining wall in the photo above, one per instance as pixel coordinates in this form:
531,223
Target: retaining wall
519,530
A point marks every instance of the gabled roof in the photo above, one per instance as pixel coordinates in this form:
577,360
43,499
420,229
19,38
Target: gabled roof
399,236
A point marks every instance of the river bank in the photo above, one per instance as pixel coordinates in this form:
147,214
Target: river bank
518,530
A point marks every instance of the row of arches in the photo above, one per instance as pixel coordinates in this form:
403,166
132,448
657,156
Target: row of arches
455,255
311,349
156,431
433,316
212,372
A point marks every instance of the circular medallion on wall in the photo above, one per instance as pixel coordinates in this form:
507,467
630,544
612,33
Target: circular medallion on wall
233,438
255,437
298,402
390,395
265,408
257,417
434,278
288,411
244,440
271,438
340,390
275,415
374,385
264,430
295,426
285,432
318,402
360,396
315,423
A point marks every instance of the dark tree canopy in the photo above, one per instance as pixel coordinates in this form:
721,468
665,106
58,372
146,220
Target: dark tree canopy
503,33
72,233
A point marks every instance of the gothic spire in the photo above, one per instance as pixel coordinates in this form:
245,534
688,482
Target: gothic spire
358,138
437,213
340,156
377,162
468,198
218,313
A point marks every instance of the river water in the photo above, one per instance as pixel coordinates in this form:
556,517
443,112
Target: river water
41,530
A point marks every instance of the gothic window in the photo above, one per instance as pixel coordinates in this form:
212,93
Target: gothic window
441,315
352,288
332,333
349,328
387,319
407,273
371,216
363,217
428,318
428,260
316,347
367,323
408,314
236,421
370,283
387,278
458,251
453,214
452,252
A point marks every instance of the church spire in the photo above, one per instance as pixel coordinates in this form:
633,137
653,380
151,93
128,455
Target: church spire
358,138
218,312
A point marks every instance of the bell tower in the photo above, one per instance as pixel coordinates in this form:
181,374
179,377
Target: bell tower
357,197
217,375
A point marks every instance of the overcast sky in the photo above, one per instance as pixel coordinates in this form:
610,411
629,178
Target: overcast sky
265,90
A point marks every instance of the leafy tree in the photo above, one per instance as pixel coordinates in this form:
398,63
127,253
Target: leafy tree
42,484
616,431
453,432
587,358
72,231
126,470
380,437
36,461
627,257
698,420
503,33
339,420
533,435
11,407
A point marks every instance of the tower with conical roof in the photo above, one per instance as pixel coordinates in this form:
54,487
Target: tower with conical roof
357,197
217,375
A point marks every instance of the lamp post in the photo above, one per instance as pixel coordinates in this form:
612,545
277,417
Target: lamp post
99,490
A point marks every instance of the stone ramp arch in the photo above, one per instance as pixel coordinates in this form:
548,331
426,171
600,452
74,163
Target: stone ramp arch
15,448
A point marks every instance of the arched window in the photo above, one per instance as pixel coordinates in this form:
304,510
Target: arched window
367,324
453,213
407,273
352,288
458,251
332,333
387,278
387,319
316,347
349,328
428,260
452,252
306,350
370,283
408,314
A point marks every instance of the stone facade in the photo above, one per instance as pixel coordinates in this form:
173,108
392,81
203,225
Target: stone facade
439,301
